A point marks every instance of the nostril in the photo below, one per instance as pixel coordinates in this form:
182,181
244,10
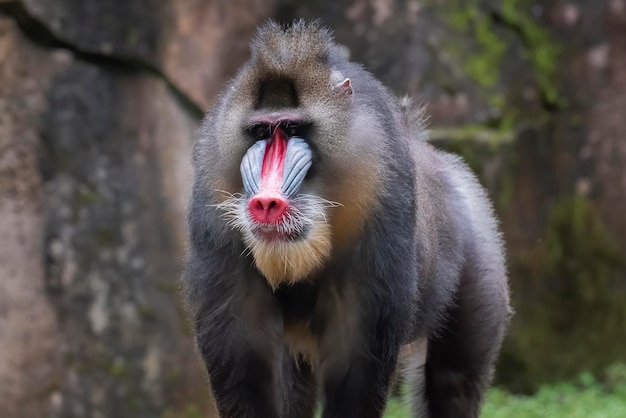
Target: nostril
258,205
268,208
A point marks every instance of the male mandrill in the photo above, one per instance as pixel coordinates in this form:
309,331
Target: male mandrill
330,244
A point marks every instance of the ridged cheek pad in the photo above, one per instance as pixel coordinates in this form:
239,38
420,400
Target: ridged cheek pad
298,159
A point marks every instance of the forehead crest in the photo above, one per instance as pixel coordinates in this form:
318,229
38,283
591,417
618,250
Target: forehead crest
293,45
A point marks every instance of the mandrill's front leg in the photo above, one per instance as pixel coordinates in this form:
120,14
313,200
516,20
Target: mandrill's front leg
357,378
357,385
237,340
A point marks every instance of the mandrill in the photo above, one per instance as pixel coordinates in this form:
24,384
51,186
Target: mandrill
331,246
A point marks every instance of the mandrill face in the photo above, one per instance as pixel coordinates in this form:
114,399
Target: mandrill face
284,228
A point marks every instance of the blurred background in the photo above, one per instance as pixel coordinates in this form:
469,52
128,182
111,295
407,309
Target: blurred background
99,101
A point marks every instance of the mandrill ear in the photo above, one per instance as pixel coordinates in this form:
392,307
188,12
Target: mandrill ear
345,87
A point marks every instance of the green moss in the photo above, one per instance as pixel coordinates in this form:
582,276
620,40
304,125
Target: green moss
482,65
569,298
506,191
485,67
497,100
168,286
460,17
105,238
85,197
188,411
146,312
134,402
484,34
541,48
476,133
117,369
578,243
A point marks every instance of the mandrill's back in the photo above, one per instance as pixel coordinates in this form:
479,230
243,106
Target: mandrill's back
462,304
458,237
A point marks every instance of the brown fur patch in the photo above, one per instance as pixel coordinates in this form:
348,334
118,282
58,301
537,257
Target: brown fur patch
414,351
223,189
357,195
301,341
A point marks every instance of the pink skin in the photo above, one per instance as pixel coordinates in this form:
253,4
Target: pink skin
276,118
268,205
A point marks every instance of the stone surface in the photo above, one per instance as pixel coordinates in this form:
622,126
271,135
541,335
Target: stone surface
532,93
95,173
207,42
116,177
197,44
605,145
29,327
128,29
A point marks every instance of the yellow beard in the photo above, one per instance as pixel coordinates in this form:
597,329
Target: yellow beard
289,262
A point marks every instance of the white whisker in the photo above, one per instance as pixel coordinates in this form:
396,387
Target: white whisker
304,224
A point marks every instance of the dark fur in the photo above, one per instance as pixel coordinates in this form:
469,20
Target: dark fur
427,263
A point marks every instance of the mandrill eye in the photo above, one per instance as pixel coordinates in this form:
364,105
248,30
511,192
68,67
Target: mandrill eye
296,129
261,132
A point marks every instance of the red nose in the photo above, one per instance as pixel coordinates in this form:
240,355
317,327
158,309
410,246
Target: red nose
267,208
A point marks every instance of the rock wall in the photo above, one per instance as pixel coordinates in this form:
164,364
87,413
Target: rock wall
99,100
